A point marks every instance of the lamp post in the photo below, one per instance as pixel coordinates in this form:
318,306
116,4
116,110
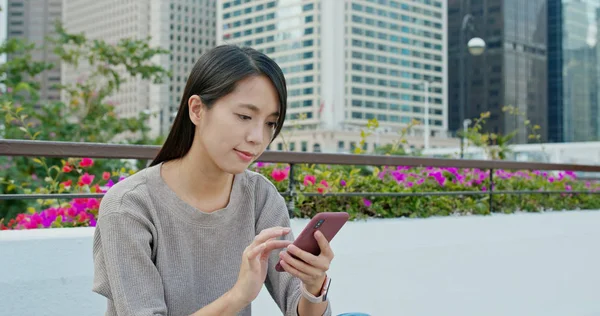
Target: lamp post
426,118
466,124
476,47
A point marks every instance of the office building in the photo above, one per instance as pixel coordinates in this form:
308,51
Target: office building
185,28
346,62
573,70
33,21
512,71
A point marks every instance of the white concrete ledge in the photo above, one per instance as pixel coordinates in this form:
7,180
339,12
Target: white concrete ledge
518,264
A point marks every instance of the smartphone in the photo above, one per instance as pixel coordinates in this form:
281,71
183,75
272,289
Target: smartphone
329,223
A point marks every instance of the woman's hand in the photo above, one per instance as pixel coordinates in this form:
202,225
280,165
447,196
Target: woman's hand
307,267
253,269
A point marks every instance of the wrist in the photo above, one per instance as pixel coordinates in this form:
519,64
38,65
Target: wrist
316,288
235,299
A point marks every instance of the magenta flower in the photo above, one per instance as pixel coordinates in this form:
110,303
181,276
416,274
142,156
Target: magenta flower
309,179
92,204
399,176
86,162
279,175
87,179
343,182
367,202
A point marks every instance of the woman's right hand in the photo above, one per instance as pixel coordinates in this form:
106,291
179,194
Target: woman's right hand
255,262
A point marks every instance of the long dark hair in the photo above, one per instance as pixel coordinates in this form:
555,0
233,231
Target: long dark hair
215,75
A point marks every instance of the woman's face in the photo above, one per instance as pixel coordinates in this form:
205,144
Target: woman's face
239,126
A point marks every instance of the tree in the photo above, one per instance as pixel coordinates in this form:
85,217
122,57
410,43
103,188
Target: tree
497,146
86,115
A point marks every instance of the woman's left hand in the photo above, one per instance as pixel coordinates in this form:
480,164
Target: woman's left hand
310,269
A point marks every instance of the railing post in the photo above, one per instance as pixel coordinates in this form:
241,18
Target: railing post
291,192
491,188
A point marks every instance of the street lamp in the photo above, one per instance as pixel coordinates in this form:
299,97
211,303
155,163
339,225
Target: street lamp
476,47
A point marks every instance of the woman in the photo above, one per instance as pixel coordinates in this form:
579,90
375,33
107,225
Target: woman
196,233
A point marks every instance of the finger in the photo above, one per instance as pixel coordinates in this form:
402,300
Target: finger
272,232
272,245
255,251
308,257
300,266
324,245
293,271
266,247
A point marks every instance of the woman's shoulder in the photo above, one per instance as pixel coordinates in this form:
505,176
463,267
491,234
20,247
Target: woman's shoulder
260,183
127,195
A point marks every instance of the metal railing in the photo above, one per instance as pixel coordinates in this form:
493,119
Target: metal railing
27,148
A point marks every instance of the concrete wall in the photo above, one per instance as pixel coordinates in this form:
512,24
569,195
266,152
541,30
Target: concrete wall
521,264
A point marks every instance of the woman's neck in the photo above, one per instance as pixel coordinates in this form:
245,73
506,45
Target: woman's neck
199,182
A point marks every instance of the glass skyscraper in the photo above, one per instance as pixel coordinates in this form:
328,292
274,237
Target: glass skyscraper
511,72
573,70
349,61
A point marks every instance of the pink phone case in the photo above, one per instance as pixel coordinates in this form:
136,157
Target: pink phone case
329,223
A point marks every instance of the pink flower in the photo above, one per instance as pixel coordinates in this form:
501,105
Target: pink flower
483,188
279,175
67,183
86,179
551,179
71,212
309,179
399,176
323,186
568,187
571,174
106,175
367,202
92,204
86,162
67,168
343,182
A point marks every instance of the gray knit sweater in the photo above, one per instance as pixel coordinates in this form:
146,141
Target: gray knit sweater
154,254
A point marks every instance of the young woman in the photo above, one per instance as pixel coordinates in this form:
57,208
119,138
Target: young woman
196,233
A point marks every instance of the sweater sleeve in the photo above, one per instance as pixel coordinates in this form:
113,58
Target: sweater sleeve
123,268
282,286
